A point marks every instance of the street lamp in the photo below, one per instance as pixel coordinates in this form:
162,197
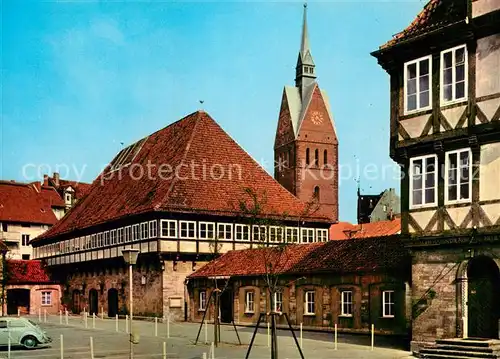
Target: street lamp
130,256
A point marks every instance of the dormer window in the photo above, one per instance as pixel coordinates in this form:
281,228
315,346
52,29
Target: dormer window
454,74
417,80
67,198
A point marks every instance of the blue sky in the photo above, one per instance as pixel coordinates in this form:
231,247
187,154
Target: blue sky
80,77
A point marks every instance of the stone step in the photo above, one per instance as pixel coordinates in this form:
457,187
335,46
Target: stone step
490,349
442,356
469,342
462,353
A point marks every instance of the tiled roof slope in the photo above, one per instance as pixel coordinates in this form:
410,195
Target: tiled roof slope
81,188
435,14
346,230
26,272
365,255
196,139
28,203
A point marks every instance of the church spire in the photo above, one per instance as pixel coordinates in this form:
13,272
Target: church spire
304,72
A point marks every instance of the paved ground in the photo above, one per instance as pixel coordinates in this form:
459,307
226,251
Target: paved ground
114,345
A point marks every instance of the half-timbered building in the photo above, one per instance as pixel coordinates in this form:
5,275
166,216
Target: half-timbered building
445,134
179,197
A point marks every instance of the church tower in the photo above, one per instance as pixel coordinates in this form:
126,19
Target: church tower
306,145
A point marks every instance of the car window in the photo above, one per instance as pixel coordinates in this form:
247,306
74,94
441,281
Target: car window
17,324
3,324
33,323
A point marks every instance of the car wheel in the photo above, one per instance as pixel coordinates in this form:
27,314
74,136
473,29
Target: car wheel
29,342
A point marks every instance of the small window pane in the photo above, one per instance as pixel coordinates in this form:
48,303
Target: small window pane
424,67
412,102
429,195
412,71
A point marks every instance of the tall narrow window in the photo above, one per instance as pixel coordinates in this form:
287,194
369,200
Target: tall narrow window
454,74
458,176
388,303
423,181
316,157
346,303
307,156
325,157
25,240
309,303
203,300
278,301
249,301
417,84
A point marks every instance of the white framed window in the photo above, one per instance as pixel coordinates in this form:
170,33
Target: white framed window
278,301
458,180
259,233
388,304
128,233
322,234
423,181
46,298
249,301
307,235
417,84
153,232
346,303
203,300
25,240
309,303
206,230
187,229
454,74
107,238
224,231
136,233
113,236
145,230
168,228
292,234
242,232
119,234
275,234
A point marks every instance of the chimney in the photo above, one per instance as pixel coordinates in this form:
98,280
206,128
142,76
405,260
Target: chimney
56,179
46,180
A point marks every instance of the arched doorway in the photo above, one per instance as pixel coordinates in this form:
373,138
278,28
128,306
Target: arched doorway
483,297
75,304
93,302
112,302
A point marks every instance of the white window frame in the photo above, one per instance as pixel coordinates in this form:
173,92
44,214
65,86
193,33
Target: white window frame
136,232
119,235
276,234
127,235
187,223
322,235
453,76
145,230
459,176
223,227
207,230
169,223
202,297
291,231
277,308
405,85
250,298
153,229
46,298
23,236
305,235
106,238
346,300
241,227
388,301
424,172
260,231
307,301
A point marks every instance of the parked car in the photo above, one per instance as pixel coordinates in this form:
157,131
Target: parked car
23,332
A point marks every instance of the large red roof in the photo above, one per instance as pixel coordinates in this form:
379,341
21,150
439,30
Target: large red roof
26,272
28,203
367,254
346,230
198,142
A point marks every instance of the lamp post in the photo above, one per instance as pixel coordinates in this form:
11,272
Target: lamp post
130,256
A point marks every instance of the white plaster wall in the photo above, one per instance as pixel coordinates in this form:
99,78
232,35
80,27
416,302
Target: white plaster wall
489,172
488,64
33,231
481,7
415,125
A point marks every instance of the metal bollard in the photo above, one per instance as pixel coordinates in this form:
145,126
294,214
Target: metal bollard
164,350
62,347
67,319
301,345
116,322
126,323
335,336
373,335
91,348
93,320
156,326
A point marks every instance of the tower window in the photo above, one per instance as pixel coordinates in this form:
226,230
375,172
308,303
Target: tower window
325,157
307,156
316,193
316,157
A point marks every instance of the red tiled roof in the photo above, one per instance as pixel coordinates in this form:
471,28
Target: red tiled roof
81,188
367,254
435,14
26,272
198,142
28,203
345,230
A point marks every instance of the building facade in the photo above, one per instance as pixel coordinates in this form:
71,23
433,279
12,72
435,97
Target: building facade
306,144
180,196
445,133
352,283
382,207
